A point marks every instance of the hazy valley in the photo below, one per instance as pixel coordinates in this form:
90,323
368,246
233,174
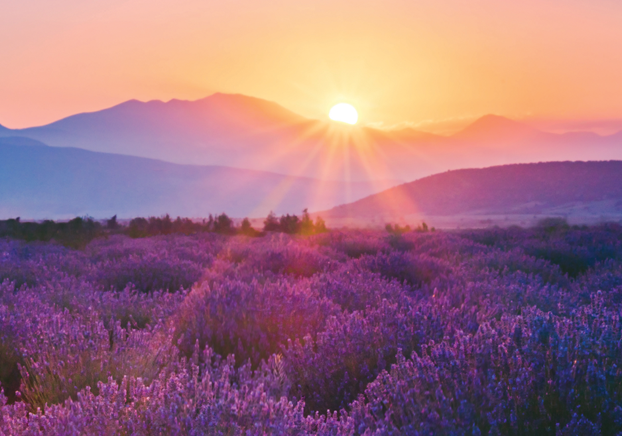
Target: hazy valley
247,156
37,181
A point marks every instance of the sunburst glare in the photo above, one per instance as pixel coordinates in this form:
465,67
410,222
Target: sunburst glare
344,113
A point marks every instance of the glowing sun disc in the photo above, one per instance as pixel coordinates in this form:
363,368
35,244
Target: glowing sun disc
344,112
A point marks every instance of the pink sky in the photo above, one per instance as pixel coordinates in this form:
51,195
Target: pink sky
425,62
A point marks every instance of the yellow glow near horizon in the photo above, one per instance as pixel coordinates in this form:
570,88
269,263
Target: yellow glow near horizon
344,112
396,60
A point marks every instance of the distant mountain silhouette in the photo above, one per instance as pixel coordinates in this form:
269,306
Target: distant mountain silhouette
495,128
38,181
20,140
245,132
507,189
137,128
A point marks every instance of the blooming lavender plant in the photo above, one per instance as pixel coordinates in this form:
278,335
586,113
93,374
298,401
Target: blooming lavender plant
474,332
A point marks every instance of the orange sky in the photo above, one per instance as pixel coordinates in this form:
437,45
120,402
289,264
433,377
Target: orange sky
423,62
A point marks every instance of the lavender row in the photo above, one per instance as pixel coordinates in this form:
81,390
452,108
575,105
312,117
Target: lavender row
499,331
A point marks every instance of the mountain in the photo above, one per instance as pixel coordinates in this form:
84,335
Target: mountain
177,131
246,132
38,181
551,188
497,128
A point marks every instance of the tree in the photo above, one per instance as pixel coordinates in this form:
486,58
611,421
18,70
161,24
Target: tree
112,223
224,225
306,224
247,229
271,223
138,228
289,224
209,226
320,225
423,228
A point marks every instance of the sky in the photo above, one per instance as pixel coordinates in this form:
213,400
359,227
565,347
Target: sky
428,64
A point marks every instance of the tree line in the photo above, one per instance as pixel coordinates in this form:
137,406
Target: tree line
292,224
78,232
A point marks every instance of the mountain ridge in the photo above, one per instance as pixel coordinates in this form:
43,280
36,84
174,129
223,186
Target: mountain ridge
491,127
235,130
38,181
504,189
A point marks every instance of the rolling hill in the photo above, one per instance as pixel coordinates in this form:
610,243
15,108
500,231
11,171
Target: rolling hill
245,132
581,190
38,181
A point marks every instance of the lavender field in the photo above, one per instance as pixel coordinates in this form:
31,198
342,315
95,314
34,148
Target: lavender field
473,332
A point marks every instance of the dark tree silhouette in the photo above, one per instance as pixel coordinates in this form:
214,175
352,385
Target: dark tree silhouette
224,225
271,223
112,223
246,228
289,224
306,224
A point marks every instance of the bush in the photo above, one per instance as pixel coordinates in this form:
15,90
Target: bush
147,274
407,268
249,320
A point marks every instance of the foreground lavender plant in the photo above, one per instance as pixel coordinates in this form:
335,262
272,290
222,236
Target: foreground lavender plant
479,332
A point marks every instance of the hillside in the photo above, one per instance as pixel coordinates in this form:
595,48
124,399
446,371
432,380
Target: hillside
38,181
575,189
246,132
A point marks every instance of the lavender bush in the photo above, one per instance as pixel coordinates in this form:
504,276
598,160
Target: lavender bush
474,332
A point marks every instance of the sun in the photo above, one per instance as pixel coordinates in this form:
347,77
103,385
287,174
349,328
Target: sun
344,112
